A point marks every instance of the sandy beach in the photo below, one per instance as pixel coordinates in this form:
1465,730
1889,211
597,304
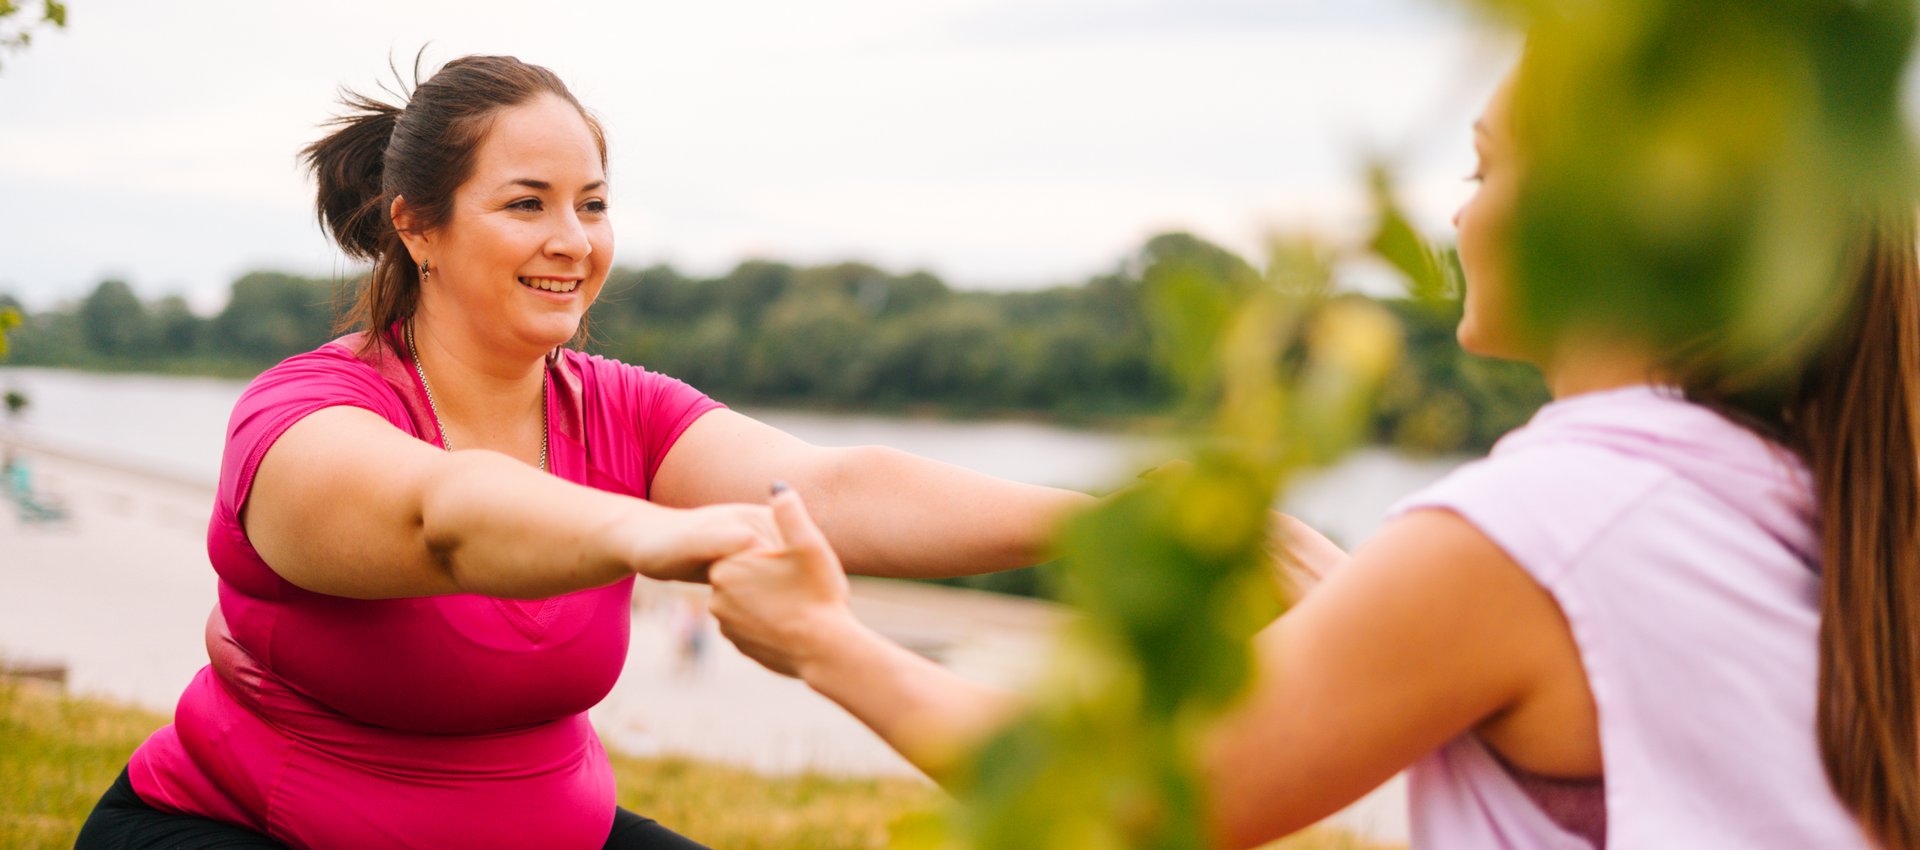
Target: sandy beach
118,591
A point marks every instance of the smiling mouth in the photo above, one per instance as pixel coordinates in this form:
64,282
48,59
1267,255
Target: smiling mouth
551,284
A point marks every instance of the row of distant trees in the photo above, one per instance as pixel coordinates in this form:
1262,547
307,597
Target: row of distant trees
847,335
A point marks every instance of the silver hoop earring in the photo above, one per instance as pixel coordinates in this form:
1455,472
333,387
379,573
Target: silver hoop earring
426,271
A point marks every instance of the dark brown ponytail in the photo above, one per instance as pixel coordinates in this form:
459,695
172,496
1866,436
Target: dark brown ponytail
349,165
422,152
1855,422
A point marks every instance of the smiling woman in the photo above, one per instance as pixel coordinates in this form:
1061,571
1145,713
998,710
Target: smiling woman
534,211
408,637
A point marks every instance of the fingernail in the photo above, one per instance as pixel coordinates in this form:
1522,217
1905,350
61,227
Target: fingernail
780,487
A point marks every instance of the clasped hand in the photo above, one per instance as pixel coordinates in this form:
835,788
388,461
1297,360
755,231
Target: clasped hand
779,602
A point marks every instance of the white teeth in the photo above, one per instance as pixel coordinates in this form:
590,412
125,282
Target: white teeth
551,285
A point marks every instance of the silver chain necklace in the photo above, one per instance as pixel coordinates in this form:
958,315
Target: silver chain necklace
413,351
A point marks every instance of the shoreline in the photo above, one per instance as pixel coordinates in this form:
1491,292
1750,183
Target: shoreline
131,468
1144,423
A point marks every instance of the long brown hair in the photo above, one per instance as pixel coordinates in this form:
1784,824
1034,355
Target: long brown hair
421,150
1851,415
1855,422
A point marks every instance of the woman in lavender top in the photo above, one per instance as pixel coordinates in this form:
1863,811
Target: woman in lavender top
1659,615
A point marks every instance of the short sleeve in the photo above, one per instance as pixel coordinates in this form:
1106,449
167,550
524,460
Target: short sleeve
328,377
1541,505
650,409
668,406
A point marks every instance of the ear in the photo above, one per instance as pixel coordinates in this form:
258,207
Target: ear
418,243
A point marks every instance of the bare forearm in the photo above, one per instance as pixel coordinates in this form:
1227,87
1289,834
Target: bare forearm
890,513
925,712
500,528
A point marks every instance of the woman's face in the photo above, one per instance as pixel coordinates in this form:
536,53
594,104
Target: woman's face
1485,223
529,243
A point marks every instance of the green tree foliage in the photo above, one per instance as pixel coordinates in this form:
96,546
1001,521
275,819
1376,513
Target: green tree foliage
114,322
853,335
1443,398
270,315
847,336
177,329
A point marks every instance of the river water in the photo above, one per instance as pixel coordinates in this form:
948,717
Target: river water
174,426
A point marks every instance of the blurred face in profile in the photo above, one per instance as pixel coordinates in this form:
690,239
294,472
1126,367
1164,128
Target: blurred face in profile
1485,223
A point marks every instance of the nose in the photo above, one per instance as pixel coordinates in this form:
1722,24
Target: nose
1457,212
568,239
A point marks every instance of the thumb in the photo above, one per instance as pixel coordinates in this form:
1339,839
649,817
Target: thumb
797,530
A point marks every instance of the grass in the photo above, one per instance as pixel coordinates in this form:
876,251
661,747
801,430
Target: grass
59,753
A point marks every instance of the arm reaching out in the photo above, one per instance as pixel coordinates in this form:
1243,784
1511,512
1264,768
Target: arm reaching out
347,505
1429,632
787,609
888,513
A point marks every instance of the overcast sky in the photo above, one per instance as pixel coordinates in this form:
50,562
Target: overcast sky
998,143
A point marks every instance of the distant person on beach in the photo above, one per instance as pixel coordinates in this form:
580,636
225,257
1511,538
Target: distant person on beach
1609,633
690,624
427,532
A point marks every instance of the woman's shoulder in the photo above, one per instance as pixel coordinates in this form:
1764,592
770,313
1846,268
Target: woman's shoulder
343,355
338,371
599,367
625,384
1542,504
1586,466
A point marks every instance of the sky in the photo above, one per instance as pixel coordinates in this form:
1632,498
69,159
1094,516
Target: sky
997,143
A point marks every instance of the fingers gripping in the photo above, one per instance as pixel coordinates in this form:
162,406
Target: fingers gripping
797,531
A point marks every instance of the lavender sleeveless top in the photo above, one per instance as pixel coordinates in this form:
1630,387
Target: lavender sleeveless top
446,721
1680,547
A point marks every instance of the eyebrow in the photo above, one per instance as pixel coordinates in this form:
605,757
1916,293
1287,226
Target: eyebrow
542,185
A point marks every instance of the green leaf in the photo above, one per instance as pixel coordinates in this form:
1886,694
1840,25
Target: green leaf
1395,241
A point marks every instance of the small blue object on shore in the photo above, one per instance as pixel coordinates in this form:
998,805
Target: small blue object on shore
33,508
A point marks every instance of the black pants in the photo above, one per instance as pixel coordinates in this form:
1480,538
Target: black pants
123,821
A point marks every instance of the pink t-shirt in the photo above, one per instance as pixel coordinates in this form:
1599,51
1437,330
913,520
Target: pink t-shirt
445,721
1682,550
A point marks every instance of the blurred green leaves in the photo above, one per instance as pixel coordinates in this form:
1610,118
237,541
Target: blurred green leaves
9,319
1171,577
16,27
1695,172
1432,276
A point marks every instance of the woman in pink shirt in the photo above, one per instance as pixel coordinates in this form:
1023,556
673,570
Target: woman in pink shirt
427,532
1661,615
